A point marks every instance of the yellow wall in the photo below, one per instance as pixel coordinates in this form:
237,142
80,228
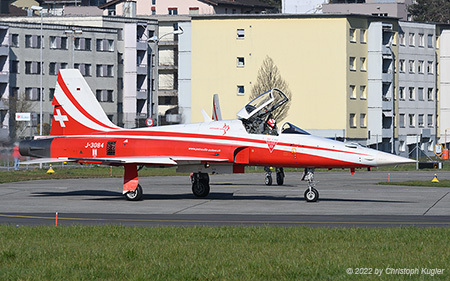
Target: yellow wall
310,53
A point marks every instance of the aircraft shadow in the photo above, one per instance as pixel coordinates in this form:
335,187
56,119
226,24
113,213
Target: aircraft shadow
104,195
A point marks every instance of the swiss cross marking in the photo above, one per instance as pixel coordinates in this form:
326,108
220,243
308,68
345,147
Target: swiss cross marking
61,118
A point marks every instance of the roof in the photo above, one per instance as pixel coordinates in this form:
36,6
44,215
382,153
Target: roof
238,3
14,11
241,3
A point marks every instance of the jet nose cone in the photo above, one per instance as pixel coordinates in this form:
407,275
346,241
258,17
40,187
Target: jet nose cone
383,158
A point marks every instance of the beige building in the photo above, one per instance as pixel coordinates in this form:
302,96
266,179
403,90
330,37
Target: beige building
324,59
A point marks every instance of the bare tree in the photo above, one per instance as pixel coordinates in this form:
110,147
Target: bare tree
269,77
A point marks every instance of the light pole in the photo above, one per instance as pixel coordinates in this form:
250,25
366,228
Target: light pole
156,40
72,33
37,8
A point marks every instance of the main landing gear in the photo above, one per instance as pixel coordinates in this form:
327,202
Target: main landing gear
200,184
135,195
311,194
279,176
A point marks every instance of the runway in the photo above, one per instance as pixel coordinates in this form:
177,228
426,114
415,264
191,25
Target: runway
237,199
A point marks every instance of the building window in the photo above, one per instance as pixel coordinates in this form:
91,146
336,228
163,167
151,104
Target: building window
352,63
54,67
420,94
193,10
430,41
412,94
240,62
105,45
352,35
32,41
421,40
401,120
84,68
412,38
32,94
412,120
412,66
14,66
104,95
420,119
240,34
352,120
402,65
362,120
420,67
83,44
430,95
362,92
401,93
401,38
430,122
240,90
352,93
173,11
430,67
32,67
14,40
51,94
105,70
362,36
57,42
363,64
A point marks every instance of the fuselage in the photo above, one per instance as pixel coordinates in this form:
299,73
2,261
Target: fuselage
226,141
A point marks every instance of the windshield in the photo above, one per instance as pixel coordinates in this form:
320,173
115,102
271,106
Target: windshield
288,128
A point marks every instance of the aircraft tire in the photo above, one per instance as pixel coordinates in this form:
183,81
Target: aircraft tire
311,196
135,195
200,188
268,180
280,178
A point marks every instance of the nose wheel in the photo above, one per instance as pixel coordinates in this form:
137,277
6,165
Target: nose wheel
311,194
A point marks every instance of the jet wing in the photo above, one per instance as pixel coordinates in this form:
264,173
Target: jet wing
146,160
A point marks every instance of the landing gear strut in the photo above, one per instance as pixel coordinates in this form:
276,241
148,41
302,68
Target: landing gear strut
200,184
279,176
311,194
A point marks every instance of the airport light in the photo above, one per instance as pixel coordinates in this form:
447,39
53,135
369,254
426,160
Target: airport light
37,8
72,33
155,39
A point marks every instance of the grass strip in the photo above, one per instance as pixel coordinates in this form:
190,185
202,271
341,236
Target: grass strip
219,253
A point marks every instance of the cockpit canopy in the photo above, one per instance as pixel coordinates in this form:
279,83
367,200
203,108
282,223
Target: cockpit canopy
263,104
288,128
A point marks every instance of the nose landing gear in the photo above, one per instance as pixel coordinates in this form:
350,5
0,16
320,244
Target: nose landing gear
311,194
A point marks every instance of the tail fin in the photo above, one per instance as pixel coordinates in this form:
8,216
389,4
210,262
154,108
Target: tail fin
77,110
217,113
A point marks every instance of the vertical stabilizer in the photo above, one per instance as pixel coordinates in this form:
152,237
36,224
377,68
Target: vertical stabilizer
217,113
77,111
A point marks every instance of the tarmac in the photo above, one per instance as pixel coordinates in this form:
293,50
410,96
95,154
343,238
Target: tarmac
236,199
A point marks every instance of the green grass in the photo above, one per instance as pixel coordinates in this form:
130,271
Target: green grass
219,253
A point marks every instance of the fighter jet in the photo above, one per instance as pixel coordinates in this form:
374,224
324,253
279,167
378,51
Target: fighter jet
82,133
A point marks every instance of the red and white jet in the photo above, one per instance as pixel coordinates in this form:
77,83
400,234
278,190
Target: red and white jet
81,132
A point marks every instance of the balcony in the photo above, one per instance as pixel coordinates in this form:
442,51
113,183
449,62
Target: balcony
4,50
141,69
141,45
4,77
141,94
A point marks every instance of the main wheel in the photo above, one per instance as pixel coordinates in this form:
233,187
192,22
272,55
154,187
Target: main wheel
280,178
311,195
200,188
268,180
135,195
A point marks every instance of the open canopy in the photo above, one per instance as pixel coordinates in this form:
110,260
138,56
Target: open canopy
263,104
